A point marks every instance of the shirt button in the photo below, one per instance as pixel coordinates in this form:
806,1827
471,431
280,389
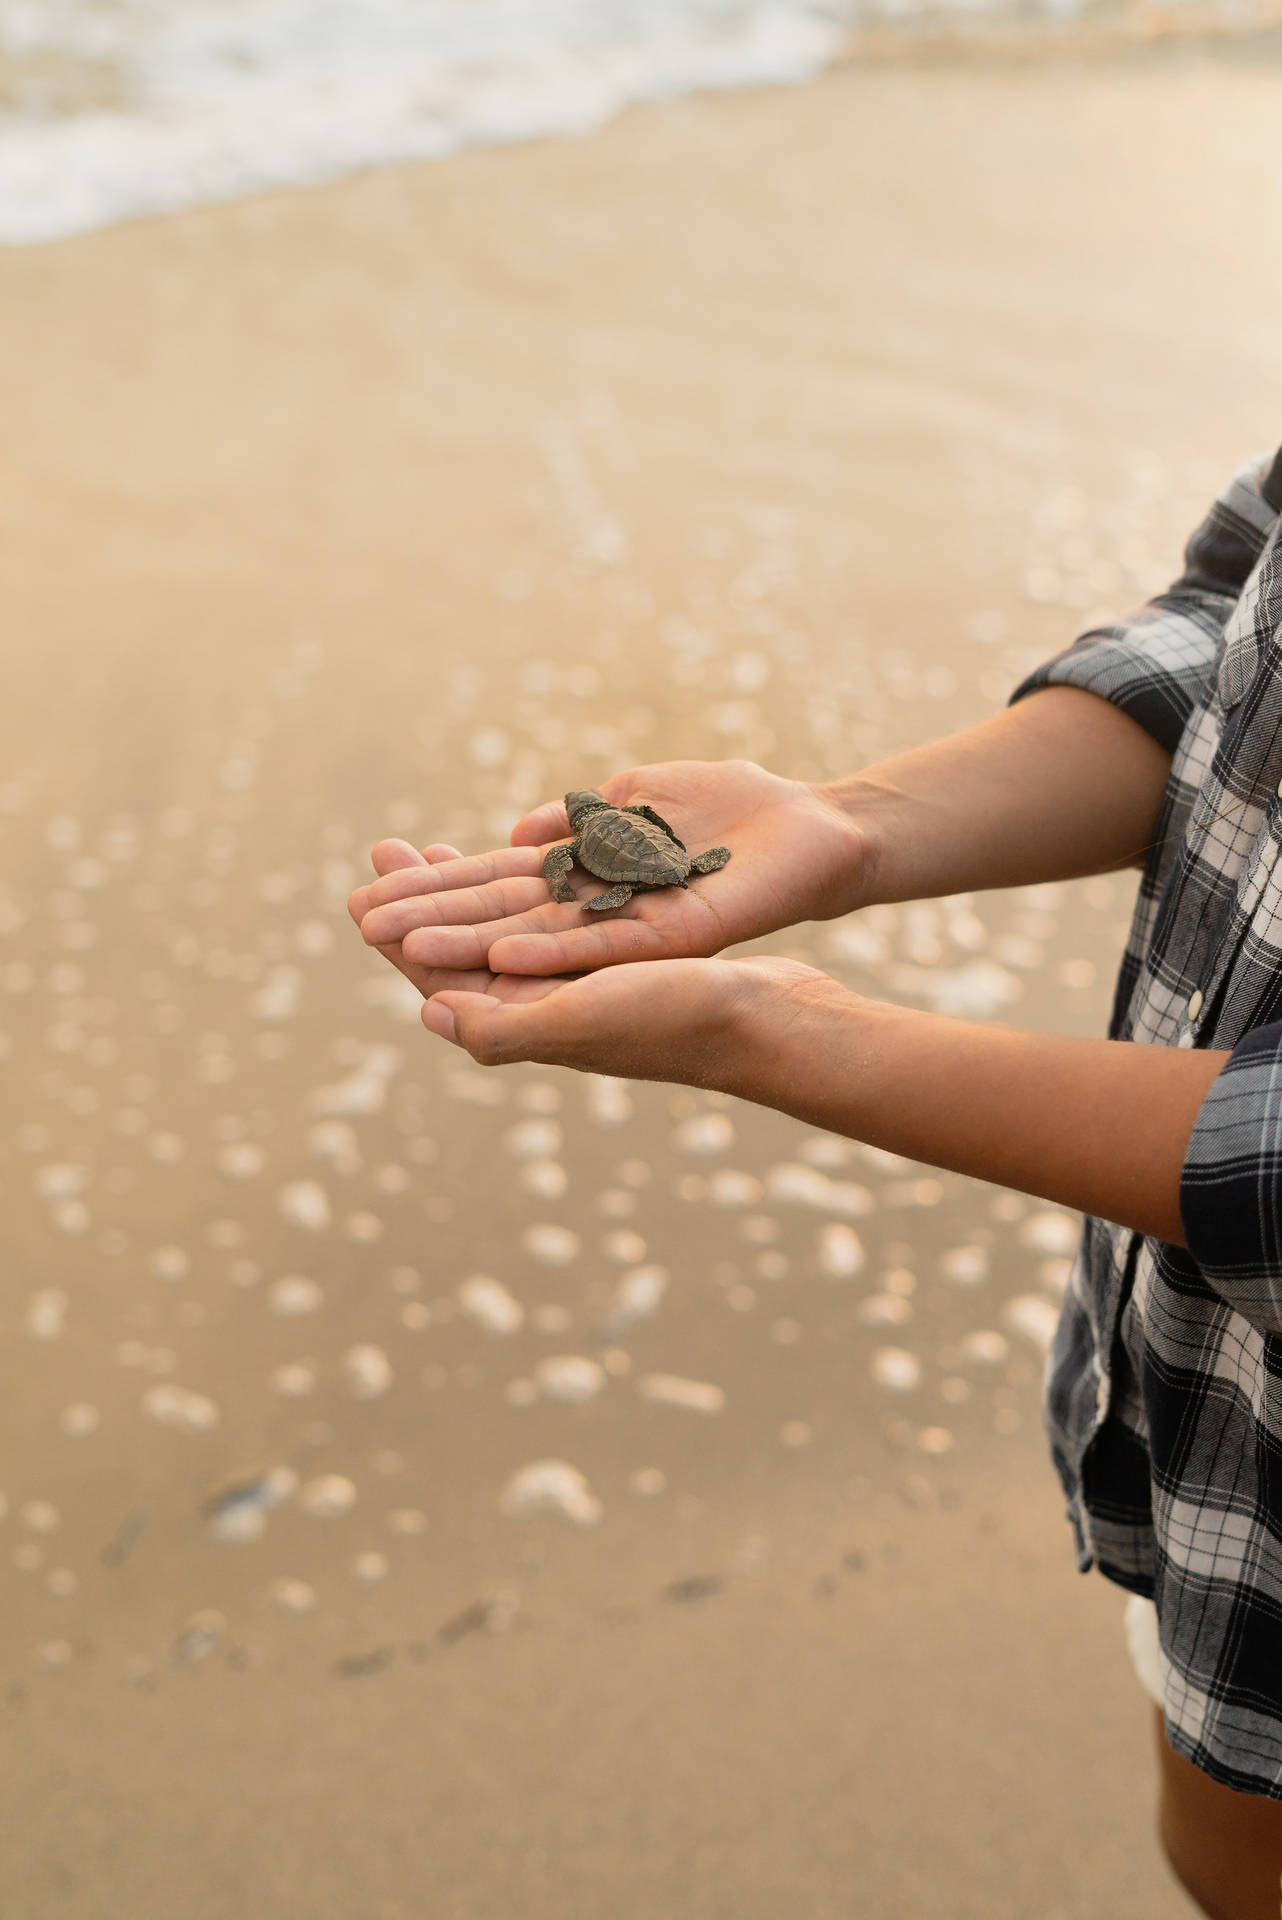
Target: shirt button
1280,789
1195,1003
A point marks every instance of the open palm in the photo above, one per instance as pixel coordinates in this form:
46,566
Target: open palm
452,921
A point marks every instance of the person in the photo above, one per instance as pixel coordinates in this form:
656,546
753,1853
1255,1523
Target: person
1155,742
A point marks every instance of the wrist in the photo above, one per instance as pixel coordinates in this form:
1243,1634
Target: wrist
865,810
783,1017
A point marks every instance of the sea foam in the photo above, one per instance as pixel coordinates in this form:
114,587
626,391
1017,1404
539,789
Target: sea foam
121,110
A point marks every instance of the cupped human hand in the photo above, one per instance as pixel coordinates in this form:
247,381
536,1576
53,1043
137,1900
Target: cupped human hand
453,922
693,1022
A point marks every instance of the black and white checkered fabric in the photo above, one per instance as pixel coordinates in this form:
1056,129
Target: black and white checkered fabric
1163,1393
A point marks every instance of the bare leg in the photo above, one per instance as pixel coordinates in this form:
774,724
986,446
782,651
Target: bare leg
709,862
614,898
1225,1848
556,865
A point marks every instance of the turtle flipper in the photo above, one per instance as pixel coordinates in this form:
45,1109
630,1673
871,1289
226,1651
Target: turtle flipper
614,898
556,865
709,862
657,820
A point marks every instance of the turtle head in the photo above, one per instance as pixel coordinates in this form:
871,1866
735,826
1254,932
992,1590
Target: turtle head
582,802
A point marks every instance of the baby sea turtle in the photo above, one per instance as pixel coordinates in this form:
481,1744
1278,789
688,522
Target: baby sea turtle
633,846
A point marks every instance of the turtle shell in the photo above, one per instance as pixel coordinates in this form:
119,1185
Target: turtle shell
623,846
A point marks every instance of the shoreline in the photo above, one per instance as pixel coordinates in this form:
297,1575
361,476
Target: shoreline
794,425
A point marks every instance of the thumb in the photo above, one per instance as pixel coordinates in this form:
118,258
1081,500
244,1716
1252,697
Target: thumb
473,1021
548,822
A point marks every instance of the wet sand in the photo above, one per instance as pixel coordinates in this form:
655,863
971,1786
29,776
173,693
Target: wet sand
795,425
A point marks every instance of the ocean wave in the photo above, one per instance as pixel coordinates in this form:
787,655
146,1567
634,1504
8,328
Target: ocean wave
114,111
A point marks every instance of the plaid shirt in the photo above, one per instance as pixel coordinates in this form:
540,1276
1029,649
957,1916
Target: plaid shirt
1163,1395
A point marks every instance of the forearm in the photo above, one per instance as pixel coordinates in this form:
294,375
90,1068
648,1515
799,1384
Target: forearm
1060,785
1098,1125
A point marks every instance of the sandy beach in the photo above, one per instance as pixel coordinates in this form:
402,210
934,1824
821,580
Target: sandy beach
794,424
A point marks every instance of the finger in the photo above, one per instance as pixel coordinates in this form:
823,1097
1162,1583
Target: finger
551,822
501,902
431,980
487,1030
469,945
439,851
580,949
497,1032
390,855
548,822
473,870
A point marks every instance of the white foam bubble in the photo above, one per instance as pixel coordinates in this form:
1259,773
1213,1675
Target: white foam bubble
61,1180
896,1368
294,1294
858,944
608,1100
975,991
671,1390
841,1253
550,1244
1051,1232
637,1295
475,1086
545,1179
1055,1275
489,1303
327,1496
570,1377
293,1379
551,1486
305,1203
728,1187
368,1371
409,1522
808,1186
534,1139
648,1481
242,1161
885,1310
175,1406
292,1596
79,1420
279,996
624,1246
704,1133
1033,1316
363,1226
964,1266
335,1140
985,1346
46,1313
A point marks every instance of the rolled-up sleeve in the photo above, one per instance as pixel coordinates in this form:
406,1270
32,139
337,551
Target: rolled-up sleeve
1231,1183
1158,663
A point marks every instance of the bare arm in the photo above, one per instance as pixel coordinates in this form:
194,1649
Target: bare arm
1099,1125
1060,785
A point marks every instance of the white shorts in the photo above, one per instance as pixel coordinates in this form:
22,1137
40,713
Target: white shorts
1139,1619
